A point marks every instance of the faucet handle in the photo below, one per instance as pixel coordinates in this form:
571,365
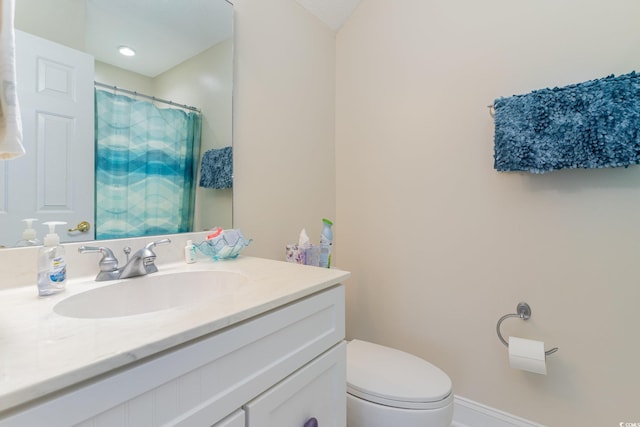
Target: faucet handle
151,245
149,256
108,262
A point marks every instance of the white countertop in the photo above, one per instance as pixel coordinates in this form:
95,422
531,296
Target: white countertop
42,352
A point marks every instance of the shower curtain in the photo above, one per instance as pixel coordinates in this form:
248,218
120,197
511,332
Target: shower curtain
146,159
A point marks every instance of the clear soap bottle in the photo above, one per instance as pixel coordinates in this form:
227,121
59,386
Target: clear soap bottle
29,237
52,267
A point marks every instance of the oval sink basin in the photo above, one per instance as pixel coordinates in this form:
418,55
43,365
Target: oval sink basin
151,293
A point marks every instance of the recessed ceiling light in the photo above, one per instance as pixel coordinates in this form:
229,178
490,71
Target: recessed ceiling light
126,51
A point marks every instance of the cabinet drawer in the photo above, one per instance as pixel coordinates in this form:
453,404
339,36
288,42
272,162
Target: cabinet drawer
200,383
318,390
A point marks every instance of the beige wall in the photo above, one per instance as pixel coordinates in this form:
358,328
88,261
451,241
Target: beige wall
283,124
441,245
42,18
116,76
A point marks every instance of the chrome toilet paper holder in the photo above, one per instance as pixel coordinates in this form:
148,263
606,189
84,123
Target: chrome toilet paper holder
523,311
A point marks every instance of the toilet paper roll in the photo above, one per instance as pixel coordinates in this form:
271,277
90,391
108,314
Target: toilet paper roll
527,355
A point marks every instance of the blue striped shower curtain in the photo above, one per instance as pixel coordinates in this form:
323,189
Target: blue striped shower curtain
146,165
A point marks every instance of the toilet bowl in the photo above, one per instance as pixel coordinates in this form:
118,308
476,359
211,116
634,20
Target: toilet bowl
388,387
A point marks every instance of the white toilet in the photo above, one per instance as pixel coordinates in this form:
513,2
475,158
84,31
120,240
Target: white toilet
388,388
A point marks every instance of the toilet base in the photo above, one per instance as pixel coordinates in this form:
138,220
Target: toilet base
362,413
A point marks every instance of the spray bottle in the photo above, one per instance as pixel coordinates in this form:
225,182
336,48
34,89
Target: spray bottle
52,268
326,240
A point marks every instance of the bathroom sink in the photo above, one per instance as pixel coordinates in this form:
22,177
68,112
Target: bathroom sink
150,293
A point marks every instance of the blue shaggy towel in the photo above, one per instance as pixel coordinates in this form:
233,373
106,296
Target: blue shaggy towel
216,169
594,124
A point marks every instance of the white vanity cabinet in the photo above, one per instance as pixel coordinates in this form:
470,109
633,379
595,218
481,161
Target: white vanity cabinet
277,369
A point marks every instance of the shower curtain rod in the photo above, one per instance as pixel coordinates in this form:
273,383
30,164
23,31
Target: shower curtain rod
153,98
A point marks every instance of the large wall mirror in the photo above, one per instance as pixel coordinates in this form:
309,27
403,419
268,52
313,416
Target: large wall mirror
138,112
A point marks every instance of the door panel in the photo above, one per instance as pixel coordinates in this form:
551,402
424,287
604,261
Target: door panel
54,180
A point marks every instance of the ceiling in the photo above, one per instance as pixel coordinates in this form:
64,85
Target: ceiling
334,13
163,33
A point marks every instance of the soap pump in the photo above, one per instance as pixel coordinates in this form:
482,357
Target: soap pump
29,237
52,268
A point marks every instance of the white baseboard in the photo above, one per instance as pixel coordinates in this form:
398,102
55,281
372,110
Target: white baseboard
467,413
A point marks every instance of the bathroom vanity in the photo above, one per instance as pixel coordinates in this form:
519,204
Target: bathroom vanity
266,350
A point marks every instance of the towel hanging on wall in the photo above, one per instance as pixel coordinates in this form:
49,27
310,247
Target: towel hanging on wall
216,169
594,124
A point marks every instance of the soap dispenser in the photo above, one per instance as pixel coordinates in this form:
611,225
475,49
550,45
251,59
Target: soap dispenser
29,234
52,268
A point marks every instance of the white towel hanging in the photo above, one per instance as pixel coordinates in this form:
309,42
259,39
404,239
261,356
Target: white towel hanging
10,121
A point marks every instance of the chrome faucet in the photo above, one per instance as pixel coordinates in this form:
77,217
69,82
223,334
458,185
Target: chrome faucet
141,262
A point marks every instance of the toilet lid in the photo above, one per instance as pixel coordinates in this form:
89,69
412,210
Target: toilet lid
392,377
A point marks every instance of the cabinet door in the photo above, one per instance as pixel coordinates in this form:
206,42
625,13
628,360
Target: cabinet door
234,420
317,390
